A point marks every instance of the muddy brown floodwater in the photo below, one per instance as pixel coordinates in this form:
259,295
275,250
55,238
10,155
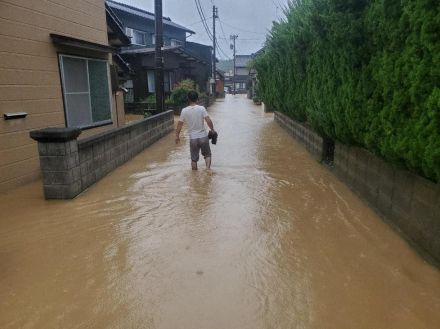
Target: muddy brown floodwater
268,239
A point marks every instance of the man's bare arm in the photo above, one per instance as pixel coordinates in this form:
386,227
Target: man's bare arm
178,130
209,122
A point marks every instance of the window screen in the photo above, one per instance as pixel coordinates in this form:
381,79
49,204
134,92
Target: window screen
86,91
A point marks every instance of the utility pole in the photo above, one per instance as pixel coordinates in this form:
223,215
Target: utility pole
233,38
158,58
214,46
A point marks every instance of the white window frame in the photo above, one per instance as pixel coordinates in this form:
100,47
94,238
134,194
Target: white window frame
177,43
66,108
129,95
142,34
130,33
151,78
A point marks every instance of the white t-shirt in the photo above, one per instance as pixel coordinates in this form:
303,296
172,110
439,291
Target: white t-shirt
194,117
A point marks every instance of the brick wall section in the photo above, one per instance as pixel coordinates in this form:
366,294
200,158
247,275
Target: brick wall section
306,136
70,167
407,201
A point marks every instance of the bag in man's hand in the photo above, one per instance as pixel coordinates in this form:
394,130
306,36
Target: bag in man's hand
212,135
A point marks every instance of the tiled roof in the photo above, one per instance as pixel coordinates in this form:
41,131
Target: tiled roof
167,49
144,14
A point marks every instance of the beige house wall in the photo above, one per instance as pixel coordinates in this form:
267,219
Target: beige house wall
30,78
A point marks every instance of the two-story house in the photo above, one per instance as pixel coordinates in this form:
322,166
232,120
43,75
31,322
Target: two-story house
242,76
182,59
56,64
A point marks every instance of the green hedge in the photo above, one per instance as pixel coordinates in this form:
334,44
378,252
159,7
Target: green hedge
364,72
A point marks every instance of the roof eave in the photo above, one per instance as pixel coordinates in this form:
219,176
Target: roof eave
116,27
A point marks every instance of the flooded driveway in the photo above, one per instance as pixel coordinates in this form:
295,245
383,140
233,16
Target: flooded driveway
268,239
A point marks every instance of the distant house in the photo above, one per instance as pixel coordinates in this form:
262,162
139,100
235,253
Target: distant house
182,59
56,70
242,73
241,77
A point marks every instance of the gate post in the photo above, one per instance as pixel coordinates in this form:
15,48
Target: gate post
59,161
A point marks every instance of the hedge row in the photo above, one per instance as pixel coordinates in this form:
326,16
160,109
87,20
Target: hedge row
364,72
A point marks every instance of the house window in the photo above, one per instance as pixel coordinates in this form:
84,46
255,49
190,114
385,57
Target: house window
129,33
86,91
153,39
137,37
129,95
168,78
176,43
171,81
151,81
168,82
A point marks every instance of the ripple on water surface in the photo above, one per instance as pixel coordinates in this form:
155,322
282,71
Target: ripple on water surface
267,239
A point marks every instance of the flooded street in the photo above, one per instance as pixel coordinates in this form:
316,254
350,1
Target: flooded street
268,239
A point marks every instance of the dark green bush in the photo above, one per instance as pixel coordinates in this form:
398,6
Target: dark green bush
364,72
149,102
179,95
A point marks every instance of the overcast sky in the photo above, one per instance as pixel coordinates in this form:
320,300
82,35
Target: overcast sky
250,19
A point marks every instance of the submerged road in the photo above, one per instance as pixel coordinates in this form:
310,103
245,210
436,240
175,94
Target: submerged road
268,239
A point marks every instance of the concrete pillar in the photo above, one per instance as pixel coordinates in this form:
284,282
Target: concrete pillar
59,161
120,108
267,108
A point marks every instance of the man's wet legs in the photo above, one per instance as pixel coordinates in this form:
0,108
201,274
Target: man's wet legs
208,162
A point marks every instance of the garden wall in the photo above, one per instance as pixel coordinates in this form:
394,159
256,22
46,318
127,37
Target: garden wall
69,166
306,136
407,201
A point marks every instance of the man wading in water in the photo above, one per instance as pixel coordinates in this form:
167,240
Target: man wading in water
195,116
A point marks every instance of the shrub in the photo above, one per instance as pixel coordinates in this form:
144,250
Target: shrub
179,95
364,72
149,102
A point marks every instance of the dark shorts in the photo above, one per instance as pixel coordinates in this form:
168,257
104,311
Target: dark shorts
199,144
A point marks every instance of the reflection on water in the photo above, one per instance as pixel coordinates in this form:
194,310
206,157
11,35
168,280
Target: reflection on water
267,239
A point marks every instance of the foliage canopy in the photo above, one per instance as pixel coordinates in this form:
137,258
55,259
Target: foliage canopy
364,72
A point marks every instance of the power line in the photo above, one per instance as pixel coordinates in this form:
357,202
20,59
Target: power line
222,52
221,27
206,27
201,21
224,34
203,18
244,39
247,31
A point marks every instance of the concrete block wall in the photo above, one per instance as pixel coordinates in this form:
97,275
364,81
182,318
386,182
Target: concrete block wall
407,201
69,166
306,136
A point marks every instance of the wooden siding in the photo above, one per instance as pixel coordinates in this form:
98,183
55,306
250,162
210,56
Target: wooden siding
29,74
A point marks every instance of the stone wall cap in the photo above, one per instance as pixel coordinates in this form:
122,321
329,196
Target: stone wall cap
55,135
86,142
